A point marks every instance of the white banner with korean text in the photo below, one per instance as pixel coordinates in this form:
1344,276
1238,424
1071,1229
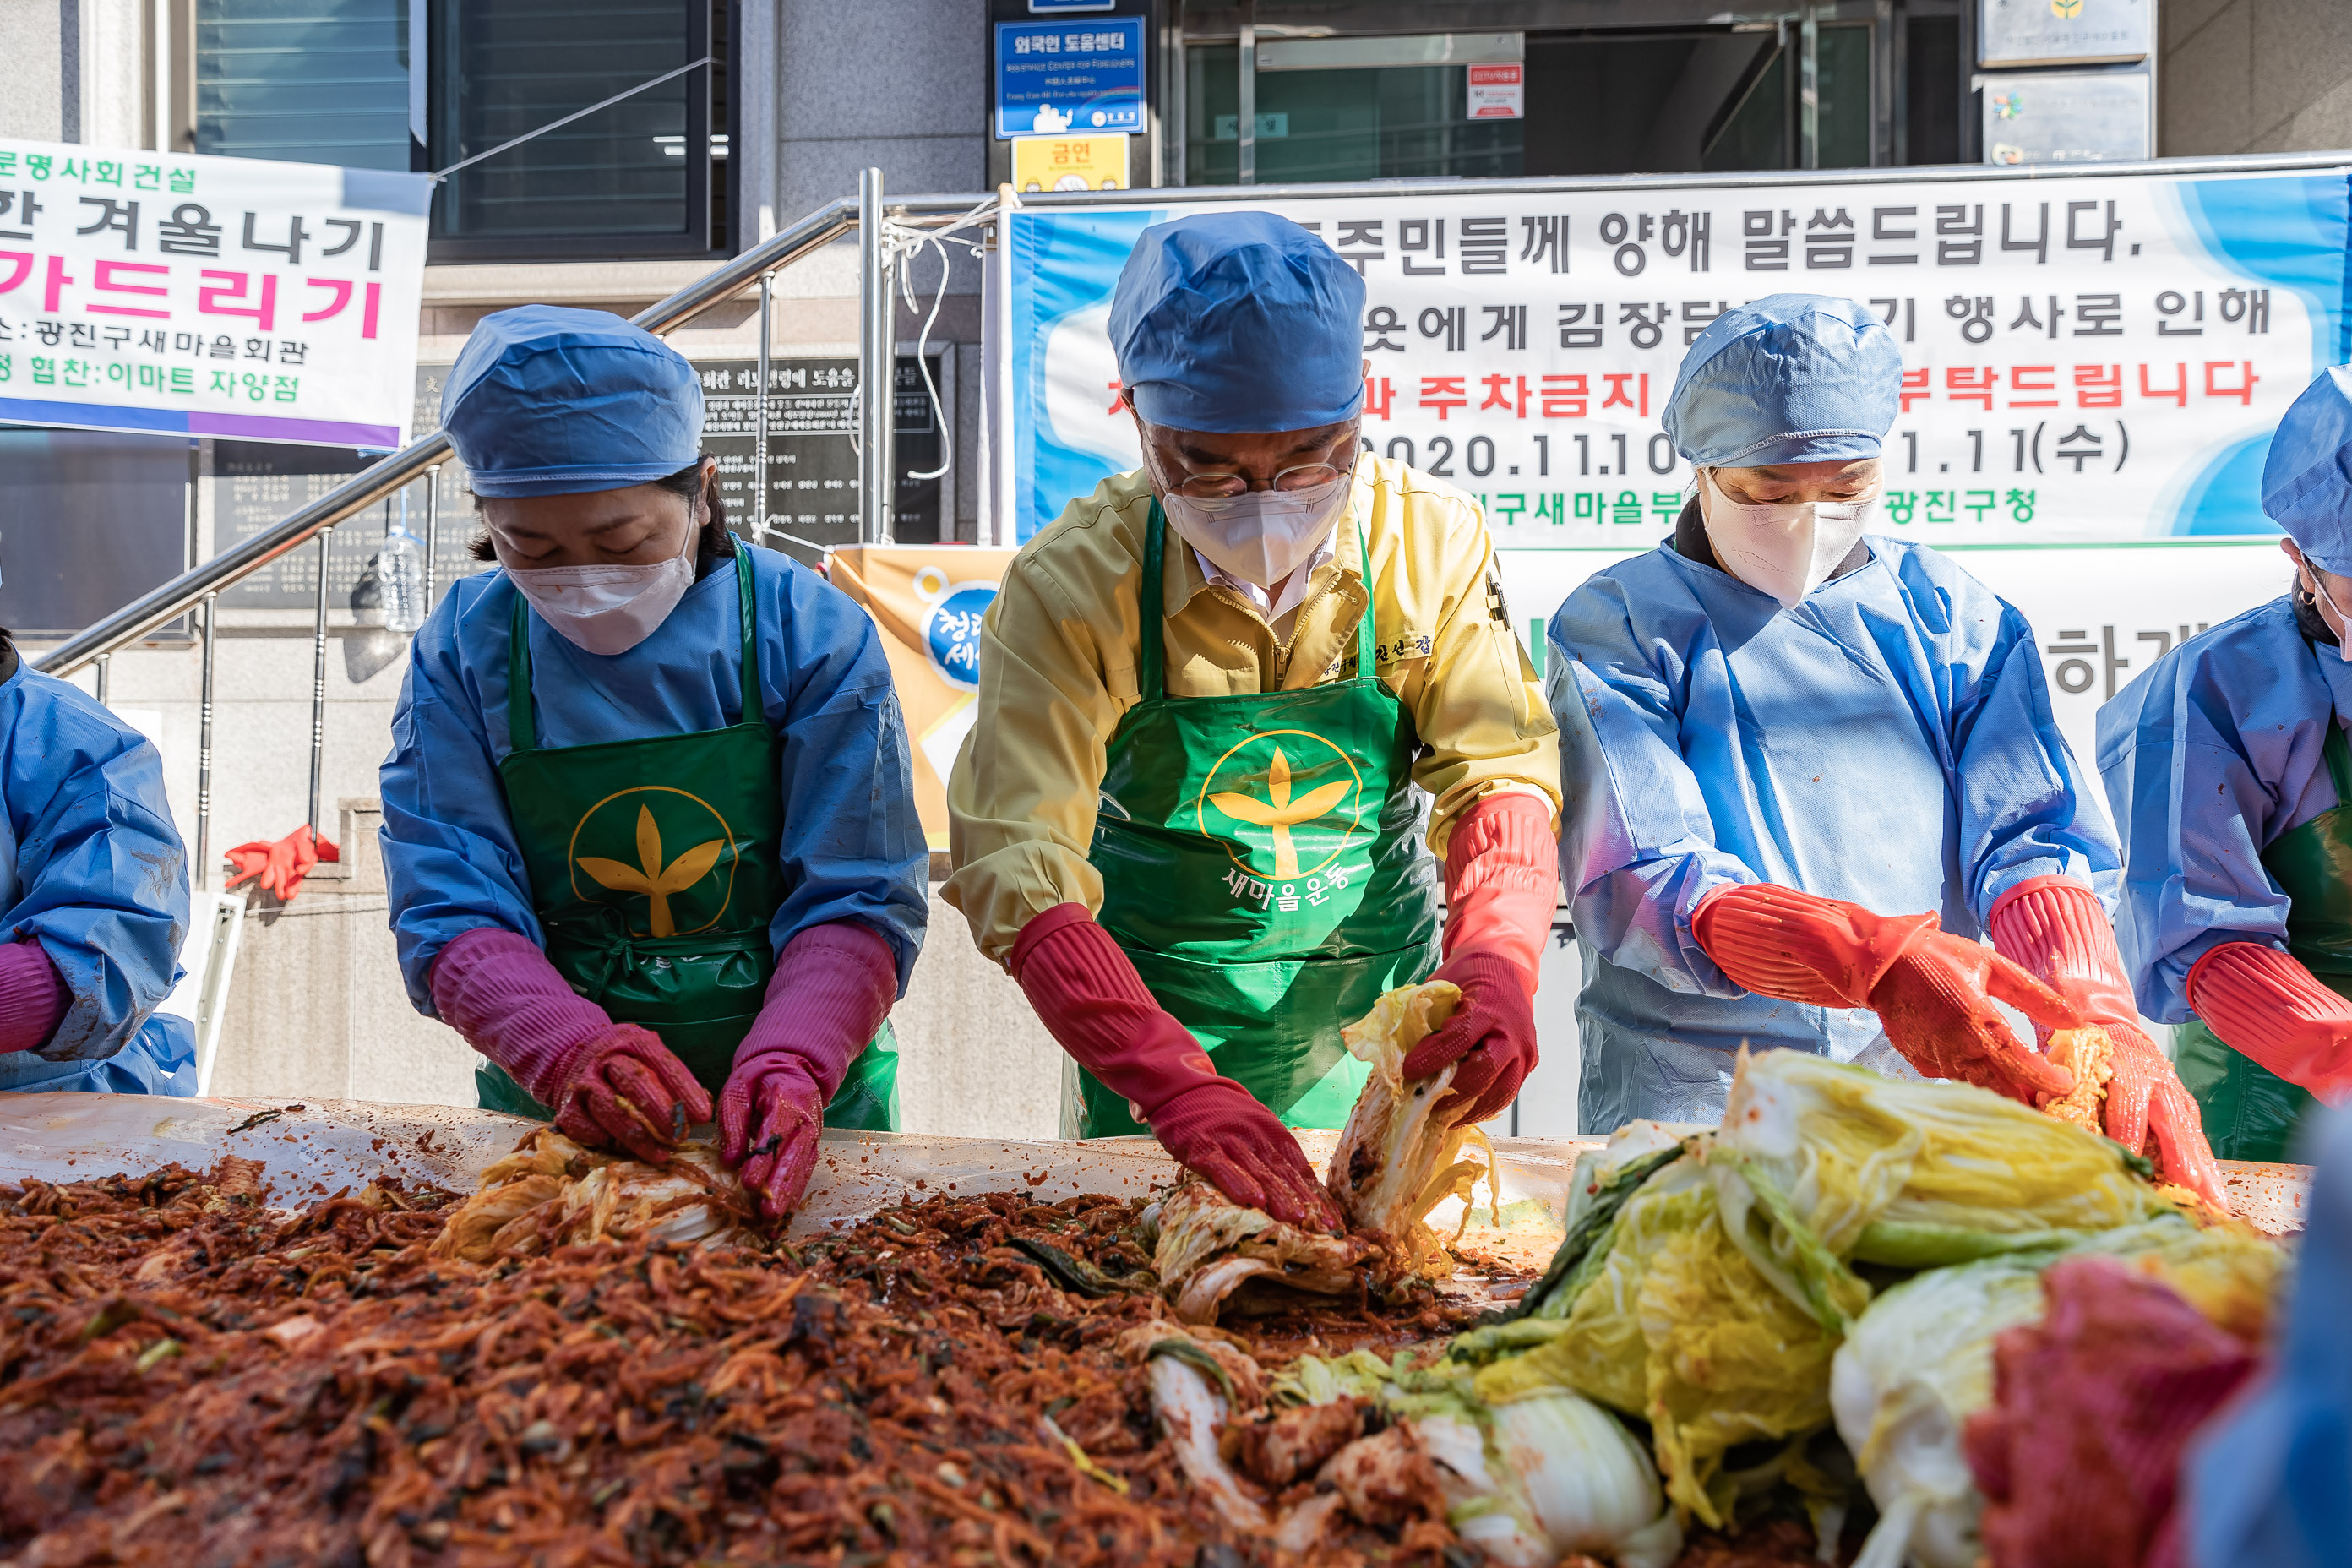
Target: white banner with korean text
2086,360
179,294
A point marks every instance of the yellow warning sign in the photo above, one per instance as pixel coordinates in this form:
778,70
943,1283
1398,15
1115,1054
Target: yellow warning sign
1070,162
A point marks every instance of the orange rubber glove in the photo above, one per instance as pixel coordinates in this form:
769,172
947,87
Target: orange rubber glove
2265,1004
280,865
1933,991
1502,881
2058,928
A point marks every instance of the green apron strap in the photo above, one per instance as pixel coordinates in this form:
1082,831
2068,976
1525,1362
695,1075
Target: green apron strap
522,732
1151,634
2338,758
1367,649
752,708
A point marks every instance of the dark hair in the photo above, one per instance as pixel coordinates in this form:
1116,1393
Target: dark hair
716,543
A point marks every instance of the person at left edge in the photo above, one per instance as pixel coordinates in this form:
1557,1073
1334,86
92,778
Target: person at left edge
2228,769
1817,762
93,898
649,822
1210,698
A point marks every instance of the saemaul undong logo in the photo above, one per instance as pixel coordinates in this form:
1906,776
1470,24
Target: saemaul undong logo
680,860
1294,795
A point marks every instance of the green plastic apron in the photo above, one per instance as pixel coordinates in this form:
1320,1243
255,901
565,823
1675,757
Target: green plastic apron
2250,1112
1261,865
655,869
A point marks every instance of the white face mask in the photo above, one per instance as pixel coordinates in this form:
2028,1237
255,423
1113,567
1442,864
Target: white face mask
1260,536
1786,549
609,609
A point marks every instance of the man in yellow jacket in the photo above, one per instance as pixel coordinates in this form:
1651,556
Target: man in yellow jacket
1212,697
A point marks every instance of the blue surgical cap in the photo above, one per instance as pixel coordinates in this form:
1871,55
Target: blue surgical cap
548,400
2308,480
1792,378
1234,322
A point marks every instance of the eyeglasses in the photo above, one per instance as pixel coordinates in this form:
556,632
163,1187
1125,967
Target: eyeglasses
1224,487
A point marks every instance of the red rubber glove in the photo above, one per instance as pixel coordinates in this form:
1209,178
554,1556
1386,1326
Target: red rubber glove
33,997
2058,928
280,865
1933,991
1090,999
832,987
607,1083
1502,881
2265,1004
2078,1455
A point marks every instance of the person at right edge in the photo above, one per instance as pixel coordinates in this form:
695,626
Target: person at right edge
1212,696
2226,764
1818,763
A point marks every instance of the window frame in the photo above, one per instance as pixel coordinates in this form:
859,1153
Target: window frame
693,242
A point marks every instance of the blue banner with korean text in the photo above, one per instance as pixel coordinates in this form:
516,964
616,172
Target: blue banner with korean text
2088,360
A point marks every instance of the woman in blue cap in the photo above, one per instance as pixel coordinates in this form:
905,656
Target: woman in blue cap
649,824
1806,766
2226,764
93,898
1212,697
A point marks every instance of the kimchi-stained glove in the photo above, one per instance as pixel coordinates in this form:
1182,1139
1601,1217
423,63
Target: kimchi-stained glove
833,986
2056,928
1090,999
1502,879
1932,992
608,1084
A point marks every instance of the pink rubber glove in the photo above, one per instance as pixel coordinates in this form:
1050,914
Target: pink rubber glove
2057,929
1089,997
1932,992
1502,882
32,998
607,1083
833,985
2265,1004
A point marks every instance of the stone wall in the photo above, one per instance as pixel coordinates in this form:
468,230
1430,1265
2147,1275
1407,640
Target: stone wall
2254,76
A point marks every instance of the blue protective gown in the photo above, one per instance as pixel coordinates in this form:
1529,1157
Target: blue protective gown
1888,741
92,866
2209,755
853,848
2268,1484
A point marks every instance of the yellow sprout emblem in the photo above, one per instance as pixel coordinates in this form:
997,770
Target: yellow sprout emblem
656,881
1283,813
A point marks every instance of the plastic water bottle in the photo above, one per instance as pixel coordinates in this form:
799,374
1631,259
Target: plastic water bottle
399,569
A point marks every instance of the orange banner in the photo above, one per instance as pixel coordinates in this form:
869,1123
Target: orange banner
928,599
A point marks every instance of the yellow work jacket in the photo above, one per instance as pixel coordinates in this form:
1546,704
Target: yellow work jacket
1057,671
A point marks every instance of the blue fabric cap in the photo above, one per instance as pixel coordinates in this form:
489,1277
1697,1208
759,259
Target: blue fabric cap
549,401
1238,322
2307,478
1792,378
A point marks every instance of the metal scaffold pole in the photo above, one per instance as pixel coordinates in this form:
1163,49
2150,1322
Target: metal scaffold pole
432,528
877,366
760,463
204,754
318,684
